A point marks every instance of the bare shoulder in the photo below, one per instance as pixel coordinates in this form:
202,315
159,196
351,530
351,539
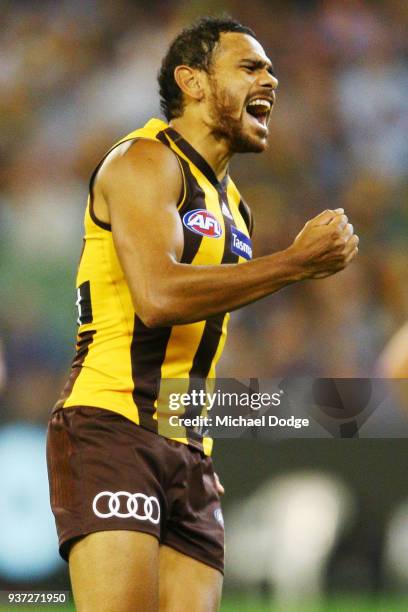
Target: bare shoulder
141,160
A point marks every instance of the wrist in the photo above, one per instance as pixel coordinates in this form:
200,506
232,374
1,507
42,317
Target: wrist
297,266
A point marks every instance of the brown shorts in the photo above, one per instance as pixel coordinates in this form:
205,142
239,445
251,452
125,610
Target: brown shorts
107,473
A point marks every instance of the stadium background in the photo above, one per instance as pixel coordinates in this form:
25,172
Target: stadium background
75,76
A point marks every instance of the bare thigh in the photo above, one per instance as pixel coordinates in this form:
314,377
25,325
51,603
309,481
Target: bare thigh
187,584
115,571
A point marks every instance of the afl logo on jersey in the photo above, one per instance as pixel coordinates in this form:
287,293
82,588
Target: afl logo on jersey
202,222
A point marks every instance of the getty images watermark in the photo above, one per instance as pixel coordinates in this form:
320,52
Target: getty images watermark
188,402
284,408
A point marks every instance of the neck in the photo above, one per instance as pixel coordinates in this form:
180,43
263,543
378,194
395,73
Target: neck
215,152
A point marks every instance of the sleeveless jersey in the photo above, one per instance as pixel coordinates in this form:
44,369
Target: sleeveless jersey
120,364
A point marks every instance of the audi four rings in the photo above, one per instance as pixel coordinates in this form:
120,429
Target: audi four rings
150,511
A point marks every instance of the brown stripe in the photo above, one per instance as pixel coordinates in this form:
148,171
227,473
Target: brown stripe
189,184
102,224
212,330
246,214
197,159
228,256
213,326
84,303
148,350
85,339
208,346
164,139
196,200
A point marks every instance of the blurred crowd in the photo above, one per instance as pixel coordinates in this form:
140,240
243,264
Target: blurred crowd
75,76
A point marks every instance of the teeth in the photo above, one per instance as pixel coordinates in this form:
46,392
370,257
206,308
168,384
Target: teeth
260,102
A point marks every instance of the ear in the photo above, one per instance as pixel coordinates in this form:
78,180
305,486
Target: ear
190,81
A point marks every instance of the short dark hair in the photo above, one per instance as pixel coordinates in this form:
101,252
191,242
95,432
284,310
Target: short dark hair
192,47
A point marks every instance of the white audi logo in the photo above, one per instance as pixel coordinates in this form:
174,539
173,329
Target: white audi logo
138,506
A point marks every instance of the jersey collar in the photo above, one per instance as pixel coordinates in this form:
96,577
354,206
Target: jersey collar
197,159
190,152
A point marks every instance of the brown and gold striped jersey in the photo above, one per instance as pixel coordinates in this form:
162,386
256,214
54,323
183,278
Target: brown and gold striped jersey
120,364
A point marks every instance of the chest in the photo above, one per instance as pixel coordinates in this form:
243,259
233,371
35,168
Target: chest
214,229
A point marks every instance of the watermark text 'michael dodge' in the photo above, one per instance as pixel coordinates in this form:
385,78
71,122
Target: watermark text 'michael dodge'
238,421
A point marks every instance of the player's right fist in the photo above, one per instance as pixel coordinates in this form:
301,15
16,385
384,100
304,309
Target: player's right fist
326,244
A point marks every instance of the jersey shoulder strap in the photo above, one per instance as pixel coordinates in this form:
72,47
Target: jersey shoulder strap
243,208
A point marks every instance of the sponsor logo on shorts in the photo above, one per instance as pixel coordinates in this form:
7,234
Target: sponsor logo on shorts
218,516
122,504
240,243
203,222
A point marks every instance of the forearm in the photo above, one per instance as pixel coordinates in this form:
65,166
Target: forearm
167,292
187,293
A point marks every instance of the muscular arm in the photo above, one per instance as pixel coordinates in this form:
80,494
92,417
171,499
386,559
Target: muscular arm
141,185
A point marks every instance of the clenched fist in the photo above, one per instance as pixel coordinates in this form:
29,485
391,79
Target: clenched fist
326,244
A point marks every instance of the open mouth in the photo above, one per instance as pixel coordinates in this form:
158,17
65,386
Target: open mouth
259,109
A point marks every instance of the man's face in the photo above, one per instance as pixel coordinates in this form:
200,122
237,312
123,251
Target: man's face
240,93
